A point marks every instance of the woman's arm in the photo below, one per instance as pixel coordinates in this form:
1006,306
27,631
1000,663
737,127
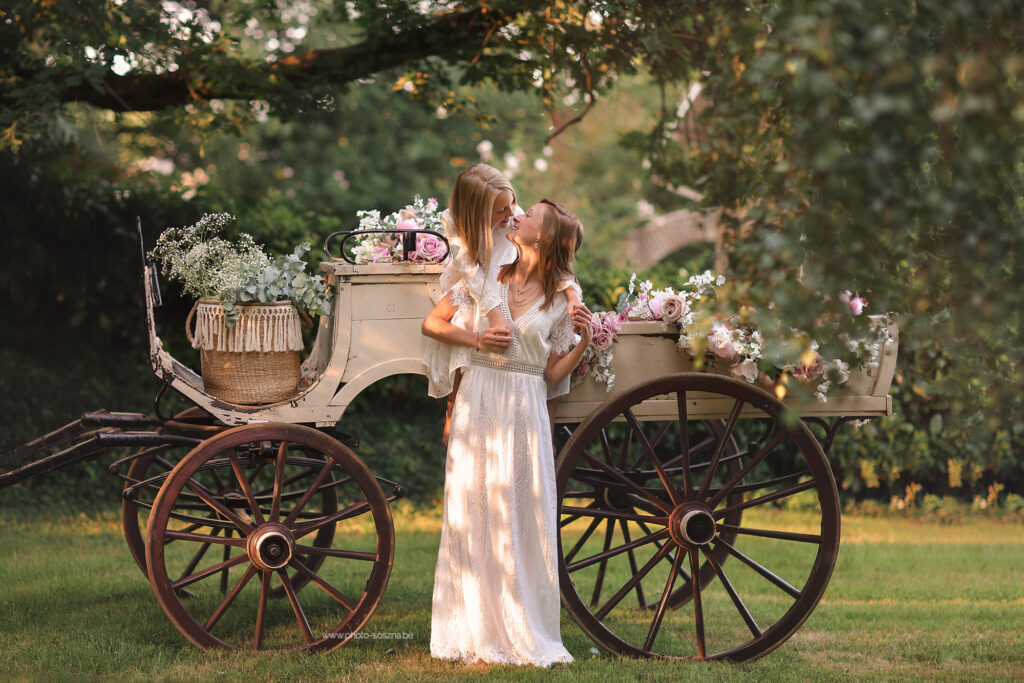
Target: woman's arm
437,326
560,366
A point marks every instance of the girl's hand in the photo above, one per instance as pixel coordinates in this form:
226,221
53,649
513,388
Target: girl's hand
494,339
582,324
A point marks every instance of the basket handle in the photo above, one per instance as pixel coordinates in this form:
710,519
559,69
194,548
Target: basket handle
307,322
188,324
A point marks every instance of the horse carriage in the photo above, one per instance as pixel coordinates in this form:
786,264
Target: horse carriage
699,516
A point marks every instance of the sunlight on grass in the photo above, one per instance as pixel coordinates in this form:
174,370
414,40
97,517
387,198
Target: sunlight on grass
907,600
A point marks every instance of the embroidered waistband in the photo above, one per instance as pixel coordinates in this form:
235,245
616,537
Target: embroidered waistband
499,363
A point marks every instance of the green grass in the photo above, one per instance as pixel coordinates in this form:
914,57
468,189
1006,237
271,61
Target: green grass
907,601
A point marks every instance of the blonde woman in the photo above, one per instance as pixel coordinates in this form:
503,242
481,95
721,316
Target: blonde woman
476,223
496,597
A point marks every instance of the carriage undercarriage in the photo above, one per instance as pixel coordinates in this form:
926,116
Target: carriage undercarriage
699,514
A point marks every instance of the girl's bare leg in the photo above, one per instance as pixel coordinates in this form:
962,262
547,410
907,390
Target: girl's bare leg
450,405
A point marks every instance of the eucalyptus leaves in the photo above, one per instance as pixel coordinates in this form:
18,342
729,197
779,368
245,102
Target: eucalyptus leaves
209,266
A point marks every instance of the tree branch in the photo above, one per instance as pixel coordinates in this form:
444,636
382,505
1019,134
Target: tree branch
454,37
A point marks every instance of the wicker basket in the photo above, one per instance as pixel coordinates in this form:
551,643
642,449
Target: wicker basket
254,362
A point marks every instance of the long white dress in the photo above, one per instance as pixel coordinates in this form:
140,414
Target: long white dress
496,595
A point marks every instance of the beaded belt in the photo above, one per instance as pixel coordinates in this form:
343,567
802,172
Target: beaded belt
499,363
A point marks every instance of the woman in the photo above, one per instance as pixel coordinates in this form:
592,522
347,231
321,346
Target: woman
496,594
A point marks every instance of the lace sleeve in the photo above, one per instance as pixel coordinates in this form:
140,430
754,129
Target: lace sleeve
461,297
562,336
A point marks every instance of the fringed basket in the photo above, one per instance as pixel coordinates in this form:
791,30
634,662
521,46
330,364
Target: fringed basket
255,361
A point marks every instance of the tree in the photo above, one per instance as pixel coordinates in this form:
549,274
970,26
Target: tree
853,144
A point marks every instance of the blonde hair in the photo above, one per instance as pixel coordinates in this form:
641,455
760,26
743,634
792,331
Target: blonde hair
472,204
561,236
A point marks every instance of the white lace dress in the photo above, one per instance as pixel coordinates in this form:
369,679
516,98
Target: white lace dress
496,594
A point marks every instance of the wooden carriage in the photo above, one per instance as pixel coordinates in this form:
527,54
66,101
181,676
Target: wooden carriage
232,510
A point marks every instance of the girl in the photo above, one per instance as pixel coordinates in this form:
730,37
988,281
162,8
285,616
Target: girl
496,595
476,223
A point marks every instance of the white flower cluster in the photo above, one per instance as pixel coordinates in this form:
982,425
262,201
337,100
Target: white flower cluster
205,264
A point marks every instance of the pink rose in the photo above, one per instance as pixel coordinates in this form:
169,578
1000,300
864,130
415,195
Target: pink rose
673,308
809,373
406,224
747,370
428,248
432,203
856,303
657,303
721,343
602,340
612,323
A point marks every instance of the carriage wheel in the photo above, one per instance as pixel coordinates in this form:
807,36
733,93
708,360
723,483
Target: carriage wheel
154,461
258,549
674,493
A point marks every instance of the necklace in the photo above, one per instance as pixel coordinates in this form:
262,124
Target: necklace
519,296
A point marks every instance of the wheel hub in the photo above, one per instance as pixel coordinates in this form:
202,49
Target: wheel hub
692,524
270,546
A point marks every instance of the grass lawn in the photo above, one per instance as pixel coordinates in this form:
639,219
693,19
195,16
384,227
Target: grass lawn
907,601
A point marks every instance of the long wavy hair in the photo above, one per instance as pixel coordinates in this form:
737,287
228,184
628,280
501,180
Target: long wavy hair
561,236
472,204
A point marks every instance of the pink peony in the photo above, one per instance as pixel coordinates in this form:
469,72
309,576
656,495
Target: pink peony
429,248
673,308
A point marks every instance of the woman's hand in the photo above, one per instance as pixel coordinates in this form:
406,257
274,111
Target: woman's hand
494,339
582,324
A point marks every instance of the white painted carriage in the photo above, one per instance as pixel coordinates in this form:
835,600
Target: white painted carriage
660,482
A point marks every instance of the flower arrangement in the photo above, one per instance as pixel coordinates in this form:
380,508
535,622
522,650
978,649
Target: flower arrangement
209,266
387,247
726,344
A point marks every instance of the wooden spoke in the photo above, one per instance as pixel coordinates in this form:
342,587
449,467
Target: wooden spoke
219,612
763,571
698,607
684,445
608,534
209,571
337,552
723,439
224,572
618,476
626,443
348,602
770,533
279,464
606,447
246,489
300,616
784,493
653,457
613,514
261,611
349,511
633,582
624,525
207,496
748,618
204,538
693,450
572,518
659,614
321,477
745,470
593,559
583,539
191,527
194,562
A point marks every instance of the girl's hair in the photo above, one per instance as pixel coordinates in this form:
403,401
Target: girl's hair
561,236
471,205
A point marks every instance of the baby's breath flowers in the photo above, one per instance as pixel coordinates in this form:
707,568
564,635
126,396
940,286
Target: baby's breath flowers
209,266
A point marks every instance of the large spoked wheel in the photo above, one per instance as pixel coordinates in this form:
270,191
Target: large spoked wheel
151,466
668,466
269,545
